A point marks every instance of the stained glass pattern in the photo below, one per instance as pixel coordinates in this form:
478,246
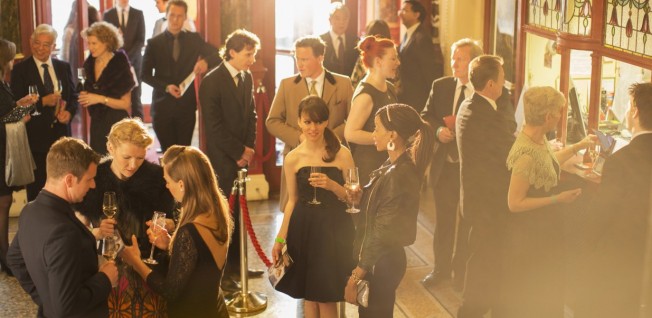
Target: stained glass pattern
545,14
577,19
628,26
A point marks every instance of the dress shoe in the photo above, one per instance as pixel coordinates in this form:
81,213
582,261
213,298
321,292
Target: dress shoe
5,268
435,278
230,285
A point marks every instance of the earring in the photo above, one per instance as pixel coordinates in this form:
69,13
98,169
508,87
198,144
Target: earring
390,145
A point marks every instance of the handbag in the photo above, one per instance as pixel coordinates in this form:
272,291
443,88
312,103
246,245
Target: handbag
363,293
278,269
19,169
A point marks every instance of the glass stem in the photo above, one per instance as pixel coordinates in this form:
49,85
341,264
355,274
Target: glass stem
151,254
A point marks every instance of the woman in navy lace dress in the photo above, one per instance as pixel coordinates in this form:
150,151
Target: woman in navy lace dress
318,236
197,250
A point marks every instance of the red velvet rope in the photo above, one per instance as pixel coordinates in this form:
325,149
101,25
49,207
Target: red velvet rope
250,228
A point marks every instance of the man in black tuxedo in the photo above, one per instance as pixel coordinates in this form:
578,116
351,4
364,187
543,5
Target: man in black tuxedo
53,255
56,105
229,114
618,221
341,53
420,62
165,66
131,23
485,134
446,95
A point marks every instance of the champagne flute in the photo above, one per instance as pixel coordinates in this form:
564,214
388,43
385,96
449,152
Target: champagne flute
313,170
81,76
158,223
110,204
57,108
353,184
110,248
33,92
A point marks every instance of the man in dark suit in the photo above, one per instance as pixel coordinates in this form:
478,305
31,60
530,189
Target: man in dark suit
162,24
165,66
446,95
341,53
57,105
485,134
131,23
229,114
618,222
420,62
53,255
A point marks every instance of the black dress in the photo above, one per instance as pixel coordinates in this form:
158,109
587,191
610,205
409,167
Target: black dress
319,240
366,157
191,285
116,80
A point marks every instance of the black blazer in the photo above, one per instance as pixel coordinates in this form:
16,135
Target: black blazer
484,139
40,131
617,224
54,258
160,69
418,68
133,36
350,55
229,121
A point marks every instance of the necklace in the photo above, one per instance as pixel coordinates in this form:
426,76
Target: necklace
532,140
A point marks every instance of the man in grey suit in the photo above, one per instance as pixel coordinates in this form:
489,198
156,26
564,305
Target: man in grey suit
341,53
131,23
229,115
53,255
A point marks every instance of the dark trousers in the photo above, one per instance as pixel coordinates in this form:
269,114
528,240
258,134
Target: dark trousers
447,198
173,126
35,187
388,272
136,104
484,270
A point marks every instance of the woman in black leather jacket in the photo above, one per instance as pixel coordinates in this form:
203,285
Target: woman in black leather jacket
389,207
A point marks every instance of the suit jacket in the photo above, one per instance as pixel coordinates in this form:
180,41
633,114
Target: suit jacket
160,69
484,139
418,68
229,121
40,130
440,104
618,223
134,35
331,61
54,258
283,117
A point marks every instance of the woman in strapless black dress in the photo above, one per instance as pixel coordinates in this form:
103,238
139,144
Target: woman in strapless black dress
318,236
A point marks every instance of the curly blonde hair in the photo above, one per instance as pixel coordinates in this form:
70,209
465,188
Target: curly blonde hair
106,33
129,130
539,101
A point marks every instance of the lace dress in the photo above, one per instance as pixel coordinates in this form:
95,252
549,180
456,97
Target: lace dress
534,273
191,284
320,241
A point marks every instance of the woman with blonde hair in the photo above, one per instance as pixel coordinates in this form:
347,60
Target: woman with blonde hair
109,81
140,191
198,248
533,282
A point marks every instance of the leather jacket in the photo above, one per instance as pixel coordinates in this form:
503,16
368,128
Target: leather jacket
389,209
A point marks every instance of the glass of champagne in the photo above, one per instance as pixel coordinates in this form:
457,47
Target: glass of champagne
353,184
313,170
33,92
81,76
110,204
158,223
110,248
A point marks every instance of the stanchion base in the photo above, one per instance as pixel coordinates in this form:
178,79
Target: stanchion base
251,303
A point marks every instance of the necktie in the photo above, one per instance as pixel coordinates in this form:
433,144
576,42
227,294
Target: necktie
241,84
176,48
313,88
123,23
404,42
340,48
47,80
460,99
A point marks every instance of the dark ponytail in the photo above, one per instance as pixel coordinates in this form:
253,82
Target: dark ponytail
317,110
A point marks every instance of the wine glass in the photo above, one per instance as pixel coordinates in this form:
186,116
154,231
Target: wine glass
594,153
33,92
314,169
110,248
158,223
353,184
110,204
81,76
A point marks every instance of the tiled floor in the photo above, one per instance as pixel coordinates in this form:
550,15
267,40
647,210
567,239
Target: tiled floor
413,300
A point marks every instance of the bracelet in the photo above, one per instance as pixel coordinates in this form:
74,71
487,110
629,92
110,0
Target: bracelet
438,131
106,101
280,240
553,199
355,277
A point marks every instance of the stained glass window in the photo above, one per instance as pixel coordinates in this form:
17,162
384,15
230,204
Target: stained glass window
627,26
545,14
577,18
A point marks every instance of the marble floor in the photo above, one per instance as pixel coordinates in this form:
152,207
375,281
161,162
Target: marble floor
413,300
